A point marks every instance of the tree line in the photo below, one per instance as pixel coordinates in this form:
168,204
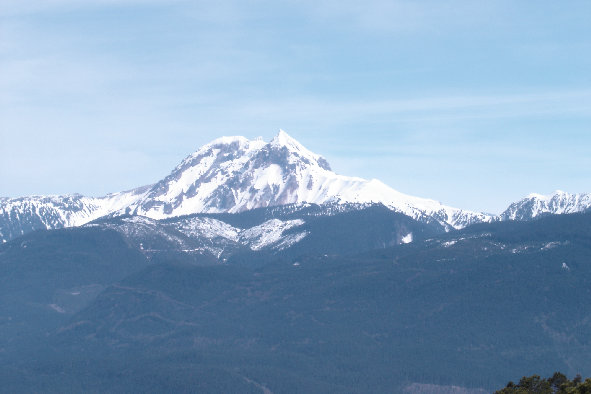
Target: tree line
556,384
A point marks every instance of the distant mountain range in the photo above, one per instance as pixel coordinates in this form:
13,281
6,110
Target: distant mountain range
536,205
254,268
234,174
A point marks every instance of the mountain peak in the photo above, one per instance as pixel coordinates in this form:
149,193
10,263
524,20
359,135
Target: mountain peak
284,139
227,140
238,142
537,196
233,174
282,134
547,197
559,202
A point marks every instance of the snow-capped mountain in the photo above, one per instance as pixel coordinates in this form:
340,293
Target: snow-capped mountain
234,174
535,205
230,174
22,215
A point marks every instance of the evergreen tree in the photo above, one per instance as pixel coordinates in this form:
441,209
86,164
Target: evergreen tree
557,384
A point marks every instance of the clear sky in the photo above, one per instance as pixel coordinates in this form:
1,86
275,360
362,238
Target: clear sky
472,103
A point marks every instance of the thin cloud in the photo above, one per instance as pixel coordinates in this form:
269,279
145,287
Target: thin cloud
402,16
451,107
20,7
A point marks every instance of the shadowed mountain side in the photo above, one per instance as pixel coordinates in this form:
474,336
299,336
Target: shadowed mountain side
46,276
465,309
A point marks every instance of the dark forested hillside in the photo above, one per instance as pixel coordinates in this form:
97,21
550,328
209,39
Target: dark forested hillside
473,308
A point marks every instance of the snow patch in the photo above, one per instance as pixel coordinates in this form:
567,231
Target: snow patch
550,245
290,240
200,227
447,244
269,233
57,308
407,238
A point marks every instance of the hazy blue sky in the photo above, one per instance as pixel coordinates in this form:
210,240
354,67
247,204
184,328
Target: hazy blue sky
473,103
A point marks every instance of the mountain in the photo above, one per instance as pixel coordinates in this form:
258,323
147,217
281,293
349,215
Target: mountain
464,311
253,267
233,174
230,174
22,215
536,205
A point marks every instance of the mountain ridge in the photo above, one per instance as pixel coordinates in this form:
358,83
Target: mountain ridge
235,174
535,205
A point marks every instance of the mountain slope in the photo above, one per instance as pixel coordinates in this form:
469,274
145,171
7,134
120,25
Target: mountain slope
49,275
289,231
451,310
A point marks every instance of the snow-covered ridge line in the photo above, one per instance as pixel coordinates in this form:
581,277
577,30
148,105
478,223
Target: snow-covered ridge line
198,234
235,174
557,203
21,215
